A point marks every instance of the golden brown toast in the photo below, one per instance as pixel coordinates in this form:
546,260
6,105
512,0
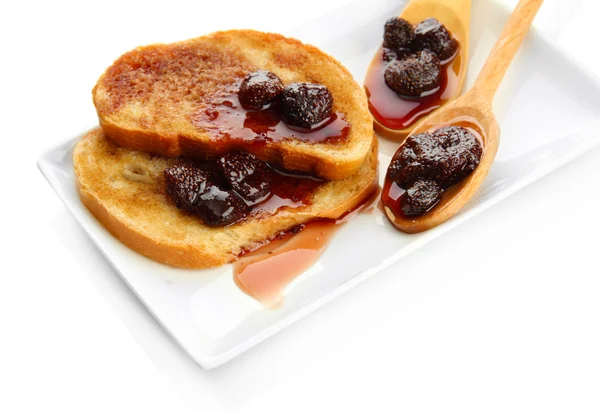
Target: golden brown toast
147,99
125,190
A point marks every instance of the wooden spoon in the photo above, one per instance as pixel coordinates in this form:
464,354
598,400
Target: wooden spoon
474,109
456,16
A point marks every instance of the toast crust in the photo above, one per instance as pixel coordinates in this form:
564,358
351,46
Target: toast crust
124,190
147,98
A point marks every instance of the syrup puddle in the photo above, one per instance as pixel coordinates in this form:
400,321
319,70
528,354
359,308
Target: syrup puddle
265,273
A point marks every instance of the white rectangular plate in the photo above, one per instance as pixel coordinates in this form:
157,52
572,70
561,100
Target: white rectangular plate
546,107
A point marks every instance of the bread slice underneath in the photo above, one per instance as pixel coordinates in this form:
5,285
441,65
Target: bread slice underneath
148,98
125,190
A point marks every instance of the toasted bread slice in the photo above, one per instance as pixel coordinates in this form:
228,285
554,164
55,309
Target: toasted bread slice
147,99
125,190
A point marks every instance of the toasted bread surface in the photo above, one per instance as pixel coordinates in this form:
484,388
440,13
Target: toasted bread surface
148,98
125,190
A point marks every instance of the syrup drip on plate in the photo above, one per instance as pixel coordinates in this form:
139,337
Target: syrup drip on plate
264,276
266,272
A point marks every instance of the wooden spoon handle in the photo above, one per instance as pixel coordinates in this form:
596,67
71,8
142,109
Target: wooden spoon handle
505,48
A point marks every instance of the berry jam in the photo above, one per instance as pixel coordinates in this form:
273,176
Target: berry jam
429,167
224,118
394,112
234,188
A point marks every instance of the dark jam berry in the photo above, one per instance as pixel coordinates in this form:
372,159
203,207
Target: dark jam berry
247,175
195,190
445,156
185,183
420,197
259,89
305,104
397,34
464,152
219,207
431,35
416,75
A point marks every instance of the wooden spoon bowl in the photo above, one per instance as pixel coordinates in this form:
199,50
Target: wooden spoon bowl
474,111
456,16
481,121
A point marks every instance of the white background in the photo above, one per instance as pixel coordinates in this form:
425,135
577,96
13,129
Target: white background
515,326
